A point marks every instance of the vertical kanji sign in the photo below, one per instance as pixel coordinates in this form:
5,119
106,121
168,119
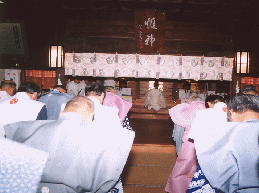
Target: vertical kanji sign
149,31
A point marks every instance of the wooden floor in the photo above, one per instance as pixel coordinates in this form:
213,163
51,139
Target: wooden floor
148,168
152,131
152,156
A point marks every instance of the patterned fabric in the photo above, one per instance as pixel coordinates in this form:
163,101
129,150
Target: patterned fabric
200,184
126,124
146,66
117,188
21,167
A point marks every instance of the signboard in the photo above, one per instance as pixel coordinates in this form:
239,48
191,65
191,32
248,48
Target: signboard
13,41
150,31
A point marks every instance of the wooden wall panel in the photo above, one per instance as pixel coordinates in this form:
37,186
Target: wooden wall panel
181,38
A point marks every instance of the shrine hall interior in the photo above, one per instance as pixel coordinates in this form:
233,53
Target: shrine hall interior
184,30
195,28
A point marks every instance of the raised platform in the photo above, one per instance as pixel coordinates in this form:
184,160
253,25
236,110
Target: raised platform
139,111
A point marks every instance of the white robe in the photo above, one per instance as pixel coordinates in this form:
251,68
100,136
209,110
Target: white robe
19,108
155,99
106,117
208,126
4,96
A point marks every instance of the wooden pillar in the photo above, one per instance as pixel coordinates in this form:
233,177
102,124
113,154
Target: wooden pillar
175,91
137,87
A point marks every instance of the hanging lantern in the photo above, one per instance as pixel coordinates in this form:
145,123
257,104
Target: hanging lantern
56,59
242,62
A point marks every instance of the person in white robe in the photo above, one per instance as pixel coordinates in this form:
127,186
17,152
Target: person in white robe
155,98
105,117
73,87
207,125
230,160
23,105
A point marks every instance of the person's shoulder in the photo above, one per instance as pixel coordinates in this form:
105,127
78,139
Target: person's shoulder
67,95
37,102
248,124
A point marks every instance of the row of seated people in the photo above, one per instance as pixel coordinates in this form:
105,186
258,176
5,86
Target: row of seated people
82,148
219,150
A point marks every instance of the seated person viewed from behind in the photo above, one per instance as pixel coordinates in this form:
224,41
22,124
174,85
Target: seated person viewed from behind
204,130
155,98
23,105
207,123
115,101
249,89
186,164
81,157
231,164
104,115
54,100
7,89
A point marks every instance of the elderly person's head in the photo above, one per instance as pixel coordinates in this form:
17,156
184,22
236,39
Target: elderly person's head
81,105
243,107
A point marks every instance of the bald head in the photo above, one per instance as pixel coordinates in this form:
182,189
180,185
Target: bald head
81,105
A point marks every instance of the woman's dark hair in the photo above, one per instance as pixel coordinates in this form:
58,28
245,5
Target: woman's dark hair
95,88
29,87
213,99
242,103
